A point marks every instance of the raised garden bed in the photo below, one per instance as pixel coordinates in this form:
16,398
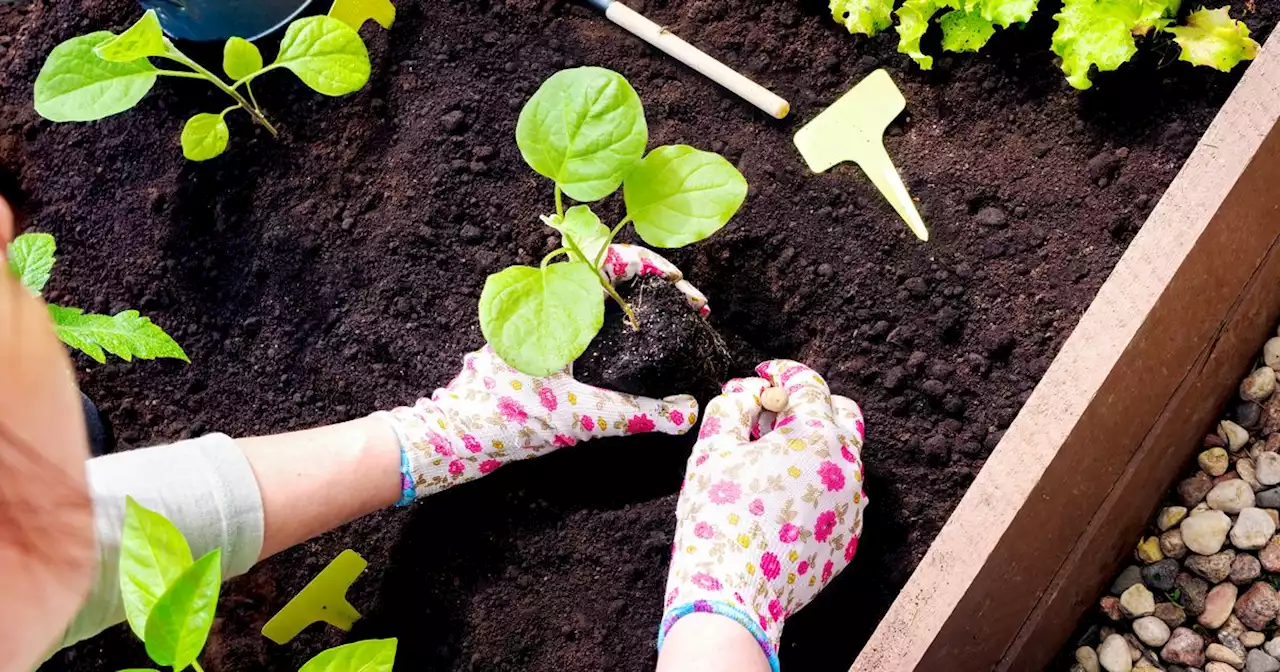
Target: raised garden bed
335,271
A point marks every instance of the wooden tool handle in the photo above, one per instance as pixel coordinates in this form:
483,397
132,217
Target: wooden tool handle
695,58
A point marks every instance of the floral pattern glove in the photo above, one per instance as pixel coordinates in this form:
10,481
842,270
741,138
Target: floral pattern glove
492,414
771,507
623,263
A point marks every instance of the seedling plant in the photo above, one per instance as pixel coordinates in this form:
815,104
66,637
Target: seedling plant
585,130
1100,34
125,334
100,74
169,600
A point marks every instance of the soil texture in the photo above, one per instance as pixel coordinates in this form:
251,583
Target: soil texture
675,348
334,271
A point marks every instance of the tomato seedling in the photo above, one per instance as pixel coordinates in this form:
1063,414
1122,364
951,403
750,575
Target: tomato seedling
585,130
125,334
169,600
100,74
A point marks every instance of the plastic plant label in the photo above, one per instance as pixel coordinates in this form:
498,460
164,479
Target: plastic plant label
324,599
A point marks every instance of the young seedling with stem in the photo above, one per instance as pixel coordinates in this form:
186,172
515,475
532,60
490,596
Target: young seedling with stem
585,130
100,74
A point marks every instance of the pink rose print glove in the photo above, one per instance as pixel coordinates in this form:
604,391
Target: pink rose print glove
623,263
492,414
771,507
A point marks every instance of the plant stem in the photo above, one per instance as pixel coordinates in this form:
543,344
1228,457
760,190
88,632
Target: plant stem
224,112
180,73
559,201
547,259
172,53
608,287
195,664
249,90
612,234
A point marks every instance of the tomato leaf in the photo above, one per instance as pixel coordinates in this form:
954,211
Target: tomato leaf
76,85
585,129
373,655
355,12
180,620
144,38
541,319
1212,38
679,195
326,54
204,136
31,259
582,227
153,554
240,58
125,335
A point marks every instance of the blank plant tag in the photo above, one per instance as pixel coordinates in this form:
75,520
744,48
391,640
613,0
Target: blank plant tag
323,599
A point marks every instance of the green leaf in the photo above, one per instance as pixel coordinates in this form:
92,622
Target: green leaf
585,129
144,38
326,54
679,195
240,58
153,554
1005,13
1212,38
125,335
31,259
140,669
913,23
1154,15
204,136
75,85
355,12
582,227
867,17
541,319
373,655
1094,33
965,31
180,620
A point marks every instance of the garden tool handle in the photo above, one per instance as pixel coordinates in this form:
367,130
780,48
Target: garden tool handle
686,53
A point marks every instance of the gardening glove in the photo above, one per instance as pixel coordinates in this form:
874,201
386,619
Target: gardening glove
623,263
492,414
763,525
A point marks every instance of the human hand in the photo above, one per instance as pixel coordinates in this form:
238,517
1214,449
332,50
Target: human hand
492,414
771,507
623,263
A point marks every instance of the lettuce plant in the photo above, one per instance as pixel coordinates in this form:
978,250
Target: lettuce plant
100,74
169,600
1099,34
125,335
584,129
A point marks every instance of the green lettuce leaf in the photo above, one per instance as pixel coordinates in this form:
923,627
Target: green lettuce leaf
867,17
1094,33
965,31
1212,38
913,23
1005,13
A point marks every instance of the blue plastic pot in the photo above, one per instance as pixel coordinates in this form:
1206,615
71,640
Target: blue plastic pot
206,20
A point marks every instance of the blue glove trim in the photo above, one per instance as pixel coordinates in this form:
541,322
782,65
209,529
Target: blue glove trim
728,611
408,492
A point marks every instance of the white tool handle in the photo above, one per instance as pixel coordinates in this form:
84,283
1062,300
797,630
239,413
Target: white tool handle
695,58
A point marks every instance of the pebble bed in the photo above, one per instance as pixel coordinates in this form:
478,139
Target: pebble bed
1201,595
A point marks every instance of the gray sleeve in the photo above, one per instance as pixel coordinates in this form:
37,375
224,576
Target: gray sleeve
205,486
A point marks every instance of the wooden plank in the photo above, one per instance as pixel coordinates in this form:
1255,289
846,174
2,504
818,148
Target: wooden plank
1010,541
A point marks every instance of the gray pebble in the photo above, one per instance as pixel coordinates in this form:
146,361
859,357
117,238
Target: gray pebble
1257,661
1160,575
1128,577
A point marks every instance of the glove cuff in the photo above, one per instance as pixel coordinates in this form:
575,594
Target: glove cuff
768,644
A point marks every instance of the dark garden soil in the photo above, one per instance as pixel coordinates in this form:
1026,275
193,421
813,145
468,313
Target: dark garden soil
334,271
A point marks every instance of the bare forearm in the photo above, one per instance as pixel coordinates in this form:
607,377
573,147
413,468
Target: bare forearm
710,643
317,479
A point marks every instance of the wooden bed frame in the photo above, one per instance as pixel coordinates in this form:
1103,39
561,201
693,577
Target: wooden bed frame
1120,414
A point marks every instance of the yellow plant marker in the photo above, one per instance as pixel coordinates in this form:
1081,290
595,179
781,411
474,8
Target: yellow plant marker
852,129
324,599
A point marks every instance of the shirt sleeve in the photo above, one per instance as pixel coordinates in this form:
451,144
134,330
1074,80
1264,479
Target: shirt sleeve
205,486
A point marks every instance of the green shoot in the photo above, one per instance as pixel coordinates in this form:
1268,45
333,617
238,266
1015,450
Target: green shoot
169,600
585,130
125,335
100,74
